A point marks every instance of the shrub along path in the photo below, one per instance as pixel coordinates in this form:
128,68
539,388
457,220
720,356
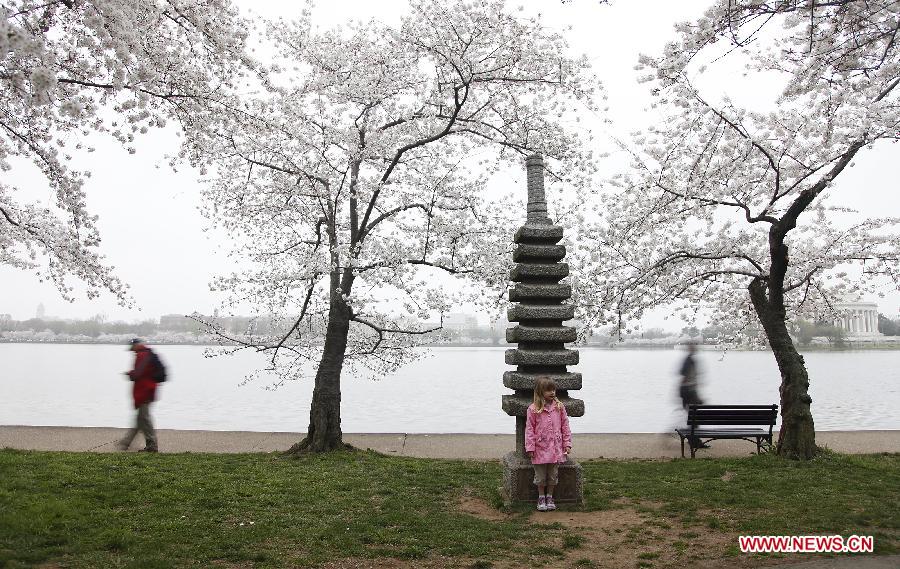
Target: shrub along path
364,509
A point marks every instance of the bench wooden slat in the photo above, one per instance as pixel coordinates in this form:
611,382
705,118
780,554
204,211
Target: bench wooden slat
711,422
722,429
724,415
727,427
729,420
773,406
734,412
718,433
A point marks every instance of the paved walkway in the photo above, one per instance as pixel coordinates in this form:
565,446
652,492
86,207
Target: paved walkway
459,446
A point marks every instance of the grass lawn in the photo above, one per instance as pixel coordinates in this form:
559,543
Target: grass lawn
256,510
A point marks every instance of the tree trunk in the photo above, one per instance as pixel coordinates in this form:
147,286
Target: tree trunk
797,438
324,432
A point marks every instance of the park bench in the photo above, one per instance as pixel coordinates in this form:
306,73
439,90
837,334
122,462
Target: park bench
711,422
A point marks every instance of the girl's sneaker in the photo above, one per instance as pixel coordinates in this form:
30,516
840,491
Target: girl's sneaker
551,505
542,504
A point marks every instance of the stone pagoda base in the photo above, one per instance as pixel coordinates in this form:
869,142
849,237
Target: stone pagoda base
518,482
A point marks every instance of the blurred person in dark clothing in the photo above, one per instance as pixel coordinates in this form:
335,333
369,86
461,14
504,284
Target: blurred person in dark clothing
143,391
688,388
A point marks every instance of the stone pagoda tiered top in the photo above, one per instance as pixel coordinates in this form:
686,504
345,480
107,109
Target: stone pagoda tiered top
540,309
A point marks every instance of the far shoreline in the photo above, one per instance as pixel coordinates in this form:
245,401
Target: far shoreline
849,347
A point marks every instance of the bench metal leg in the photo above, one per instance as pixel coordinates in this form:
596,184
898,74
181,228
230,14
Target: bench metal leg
682,447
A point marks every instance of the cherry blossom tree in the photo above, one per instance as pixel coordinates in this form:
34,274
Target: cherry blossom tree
72,68
728,207
357,187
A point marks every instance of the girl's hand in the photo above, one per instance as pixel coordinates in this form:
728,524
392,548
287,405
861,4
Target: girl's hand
530,454
568,450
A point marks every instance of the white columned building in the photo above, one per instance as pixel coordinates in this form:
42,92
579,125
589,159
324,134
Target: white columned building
859,320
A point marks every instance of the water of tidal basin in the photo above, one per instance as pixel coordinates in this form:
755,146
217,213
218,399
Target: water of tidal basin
453,390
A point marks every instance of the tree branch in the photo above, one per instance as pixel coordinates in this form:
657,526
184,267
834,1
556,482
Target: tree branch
381,331
390,213
458,103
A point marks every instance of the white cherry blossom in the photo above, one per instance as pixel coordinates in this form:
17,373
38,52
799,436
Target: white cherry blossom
357,184
71,68
726,209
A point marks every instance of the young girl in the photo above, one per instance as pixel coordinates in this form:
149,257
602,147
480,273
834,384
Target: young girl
548,439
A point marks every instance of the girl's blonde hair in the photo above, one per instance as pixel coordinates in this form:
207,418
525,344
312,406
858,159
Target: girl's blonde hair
541,386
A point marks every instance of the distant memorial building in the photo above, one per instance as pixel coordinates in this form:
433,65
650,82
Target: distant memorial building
859,320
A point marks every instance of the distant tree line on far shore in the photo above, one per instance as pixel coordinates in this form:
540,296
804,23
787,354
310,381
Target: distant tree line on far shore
176,328
805,332
99,328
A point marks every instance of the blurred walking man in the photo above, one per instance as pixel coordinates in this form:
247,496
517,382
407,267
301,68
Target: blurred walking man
144,375
688,388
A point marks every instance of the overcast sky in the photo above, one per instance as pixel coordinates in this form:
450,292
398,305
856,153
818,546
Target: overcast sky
155,237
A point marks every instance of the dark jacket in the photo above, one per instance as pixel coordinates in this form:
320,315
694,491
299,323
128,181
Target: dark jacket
688,388
144,389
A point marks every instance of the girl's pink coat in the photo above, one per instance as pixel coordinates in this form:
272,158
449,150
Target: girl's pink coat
547,434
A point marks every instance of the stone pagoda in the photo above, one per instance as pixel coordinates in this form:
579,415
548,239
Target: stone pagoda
539,309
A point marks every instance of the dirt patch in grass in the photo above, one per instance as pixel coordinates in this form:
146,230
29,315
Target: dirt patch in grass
601,521
631,534
474,506
221,563
436,562
383,563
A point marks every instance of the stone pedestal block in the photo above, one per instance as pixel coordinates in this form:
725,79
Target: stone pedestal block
517,405
523,357
540,293
526,380
539,232
551,272
518,482
528,312
539,253
543,334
